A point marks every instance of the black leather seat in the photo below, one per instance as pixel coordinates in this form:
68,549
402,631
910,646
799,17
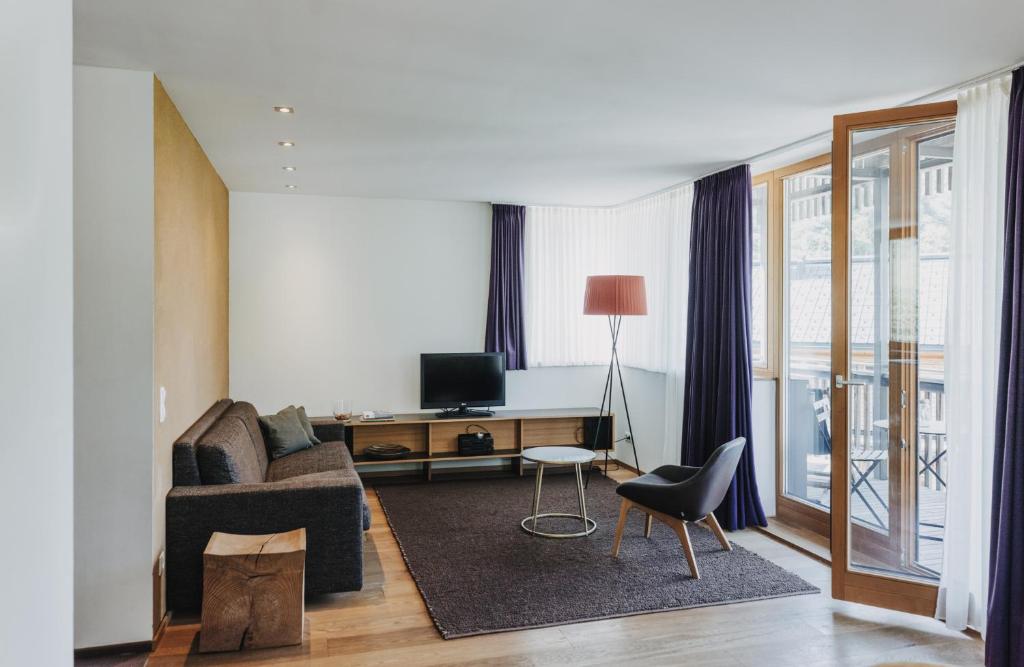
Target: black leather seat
678,494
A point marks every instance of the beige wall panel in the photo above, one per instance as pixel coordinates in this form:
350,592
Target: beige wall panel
191,288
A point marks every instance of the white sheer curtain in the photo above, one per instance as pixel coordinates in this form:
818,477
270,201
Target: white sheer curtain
648,237
675,304
566,244
972,347
563,246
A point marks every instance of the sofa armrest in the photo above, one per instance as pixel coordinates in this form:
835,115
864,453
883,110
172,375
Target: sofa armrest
330,432
329,505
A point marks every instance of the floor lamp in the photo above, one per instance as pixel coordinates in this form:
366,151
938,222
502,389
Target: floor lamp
614,296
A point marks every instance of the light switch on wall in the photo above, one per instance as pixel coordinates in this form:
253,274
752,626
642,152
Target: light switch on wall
163,404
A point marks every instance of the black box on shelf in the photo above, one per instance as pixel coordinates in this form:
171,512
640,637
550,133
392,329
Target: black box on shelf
475,444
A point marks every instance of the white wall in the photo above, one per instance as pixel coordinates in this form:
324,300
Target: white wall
763,414
36,334
113,179
336,297
645,394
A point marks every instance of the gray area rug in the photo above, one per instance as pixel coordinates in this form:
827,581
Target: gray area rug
479,572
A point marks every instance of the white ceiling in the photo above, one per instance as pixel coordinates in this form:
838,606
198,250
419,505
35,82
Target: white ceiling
537,101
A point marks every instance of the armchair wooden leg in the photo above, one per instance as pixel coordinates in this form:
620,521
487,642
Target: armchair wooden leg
623,511
684,539
717,530
648,525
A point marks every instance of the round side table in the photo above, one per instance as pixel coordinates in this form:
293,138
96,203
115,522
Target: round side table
573,456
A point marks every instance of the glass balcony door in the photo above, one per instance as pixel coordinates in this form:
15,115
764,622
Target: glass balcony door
890,214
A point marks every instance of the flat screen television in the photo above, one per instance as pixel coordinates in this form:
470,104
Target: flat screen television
460,381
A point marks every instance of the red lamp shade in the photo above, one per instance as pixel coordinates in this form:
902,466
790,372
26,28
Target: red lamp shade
615,295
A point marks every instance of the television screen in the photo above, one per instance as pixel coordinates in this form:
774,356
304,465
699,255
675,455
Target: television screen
459,380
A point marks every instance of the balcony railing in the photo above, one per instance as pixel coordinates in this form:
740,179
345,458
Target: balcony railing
868,429
869,433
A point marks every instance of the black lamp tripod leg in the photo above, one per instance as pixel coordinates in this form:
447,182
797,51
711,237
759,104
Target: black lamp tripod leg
606,396
625,406
614,327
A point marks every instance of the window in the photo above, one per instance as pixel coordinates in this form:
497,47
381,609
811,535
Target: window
564,245
807,334
791,229
759,275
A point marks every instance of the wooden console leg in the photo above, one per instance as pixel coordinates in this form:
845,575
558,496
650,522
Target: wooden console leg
623,511
717,530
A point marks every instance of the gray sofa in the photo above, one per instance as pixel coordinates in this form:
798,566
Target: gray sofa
224,481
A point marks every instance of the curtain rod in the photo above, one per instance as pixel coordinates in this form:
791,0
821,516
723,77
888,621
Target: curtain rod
799,143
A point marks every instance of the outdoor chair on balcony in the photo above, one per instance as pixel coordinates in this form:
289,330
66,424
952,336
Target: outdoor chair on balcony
864,463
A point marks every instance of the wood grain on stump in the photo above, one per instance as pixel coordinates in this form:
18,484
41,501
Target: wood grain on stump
253,591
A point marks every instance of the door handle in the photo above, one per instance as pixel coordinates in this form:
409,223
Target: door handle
840,382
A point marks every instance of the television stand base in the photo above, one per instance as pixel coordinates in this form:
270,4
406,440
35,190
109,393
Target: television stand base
462,413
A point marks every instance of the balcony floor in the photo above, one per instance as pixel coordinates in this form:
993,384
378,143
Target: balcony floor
931,515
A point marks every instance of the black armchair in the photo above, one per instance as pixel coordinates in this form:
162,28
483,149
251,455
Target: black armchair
676,495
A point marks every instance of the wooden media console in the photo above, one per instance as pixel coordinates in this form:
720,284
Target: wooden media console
432,439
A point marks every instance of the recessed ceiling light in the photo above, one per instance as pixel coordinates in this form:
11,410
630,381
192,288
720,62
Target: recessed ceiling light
284,109
288,168
290,187
286,144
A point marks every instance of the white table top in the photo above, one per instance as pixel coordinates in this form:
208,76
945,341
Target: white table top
558,455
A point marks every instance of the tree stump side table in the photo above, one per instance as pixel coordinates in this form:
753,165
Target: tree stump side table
253,591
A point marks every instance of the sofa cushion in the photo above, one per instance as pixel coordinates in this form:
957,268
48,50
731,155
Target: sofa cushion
322,458
284,433
227,454
306,425
328,456
185,468
247,413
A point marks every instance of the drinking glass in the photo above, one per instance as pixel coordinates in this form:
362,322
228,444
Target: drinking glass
342,409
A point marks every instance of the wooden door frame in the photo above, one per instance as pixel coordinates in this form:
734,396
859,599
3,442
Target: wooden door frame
882,590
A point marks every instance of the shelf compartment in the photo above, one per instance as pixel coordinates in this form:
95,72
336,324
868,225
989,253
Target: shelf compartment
363,460
444,436
413,436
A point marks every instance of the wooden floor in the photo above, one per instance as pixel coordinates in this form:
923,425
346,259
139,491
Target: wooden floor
387,624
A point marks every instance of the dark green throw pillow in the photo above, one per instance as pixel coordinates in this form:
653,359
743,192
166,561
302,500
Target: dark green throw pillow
307,426
284,433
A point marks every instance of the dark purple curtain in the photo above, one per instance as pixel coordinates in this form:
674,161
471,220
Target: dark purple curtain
505,329
1004,644
717,394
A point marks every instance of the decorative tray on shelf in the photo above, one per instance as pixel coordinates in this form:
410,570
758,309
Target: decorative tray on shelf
385,452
